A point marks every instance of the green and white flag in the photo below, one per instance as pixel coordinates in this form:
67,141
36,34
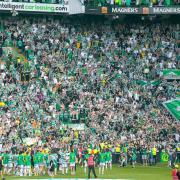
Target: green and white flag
171,73
164,157
148,83
173,106
84,70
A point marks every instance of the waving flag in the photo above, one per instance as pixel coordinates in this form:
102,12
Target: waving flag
171,73
173,106
164,157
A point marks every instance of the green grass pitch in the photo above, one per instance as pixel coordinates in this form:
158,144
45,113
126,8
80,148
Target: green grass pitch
158,172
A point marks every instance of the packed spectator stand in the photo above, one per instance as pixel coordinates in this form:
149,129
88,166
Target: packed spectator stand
87,74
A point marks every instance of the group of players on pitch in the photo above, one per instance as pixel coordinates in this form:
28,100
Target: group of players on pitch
43,162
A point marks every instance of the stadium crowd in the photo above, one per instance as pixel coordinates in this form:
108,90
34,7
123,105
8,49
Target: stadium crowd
56,72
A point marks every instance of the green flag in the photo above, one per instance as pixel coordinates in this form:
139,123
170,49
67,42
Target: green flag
141,82
168,2
58,107
173,106
84,70
150,83
155,82
171,73
128,2
164,157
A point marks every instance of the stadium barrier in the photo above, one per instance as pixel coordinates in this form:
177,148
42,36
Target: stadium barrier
160,157
109,10
116,156
23,7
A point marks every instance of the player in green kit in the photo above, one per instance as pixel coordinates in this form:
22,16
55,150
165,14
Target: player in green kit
27,162
46,162
102,161
55,161
10,163
21,163
67,159
40,162
64,164
15,163
108,159
5,162
133,158
36,164
72,161
144,156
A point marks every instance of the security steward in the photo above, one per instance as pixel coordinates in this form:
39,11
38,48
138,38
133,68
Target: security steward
154,153
178,153
91,164
117,151
175,173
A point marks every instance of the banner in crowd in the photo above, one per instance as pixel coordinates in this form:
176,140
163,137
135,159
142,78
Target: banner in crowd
34,7
164,157
148,83
79,127
173,106
171,73
29,141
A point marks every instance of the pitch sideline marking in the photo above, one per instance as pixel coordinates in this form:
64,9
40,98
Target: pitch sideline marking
72,179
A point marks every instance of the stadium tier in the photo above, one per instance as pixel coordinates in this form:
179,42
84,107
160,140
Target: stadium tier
121,3
57,7
82,93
